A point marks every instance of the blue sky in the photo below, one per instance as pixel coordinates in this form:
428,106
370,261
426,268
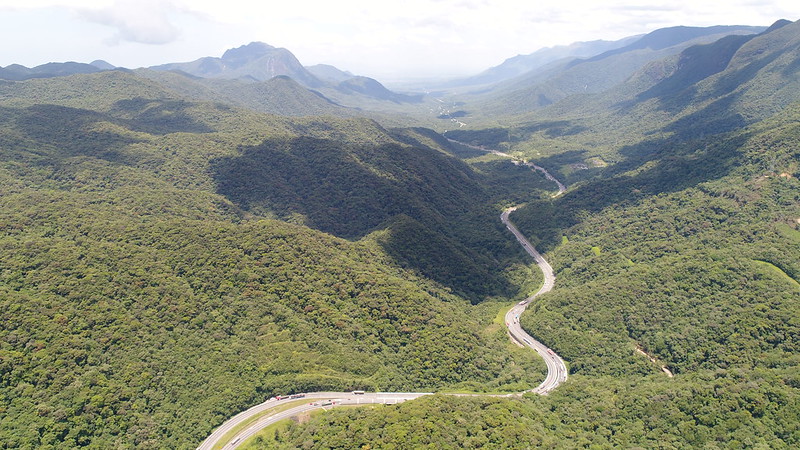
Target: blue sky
388,40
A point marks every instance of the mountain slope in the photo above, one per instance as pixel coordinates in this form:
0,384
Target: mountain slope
669,37
372,88
329,73
522,64
703,90
280,95
353,190
681,256
596,74
141,307
746,80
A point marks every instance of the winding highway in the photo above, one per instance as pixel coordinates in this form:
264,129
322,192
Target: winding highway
556,369
250,422
561,187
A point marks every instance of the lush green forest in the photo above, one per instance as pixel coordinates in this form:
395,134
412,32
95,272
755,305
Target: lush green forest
737,409
171,254
148,291
127,332
704,279
677,302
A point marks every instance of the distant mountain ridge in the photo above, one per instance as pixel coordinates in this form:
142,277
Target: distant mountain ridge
671,36
329,73
560,79
521,64
17,72
256,60
262,62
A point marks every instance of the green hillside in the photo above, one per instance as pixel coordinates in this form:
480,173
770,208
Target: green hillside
686,96
568,77
174,250
703,278
280,95
677,301
121,330
145,298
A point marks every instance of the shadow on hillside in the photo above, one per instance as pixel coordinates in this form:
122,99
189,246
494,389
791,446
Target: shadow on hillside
158,117
679,91
442,258
352,191
697,63
68,132
342,189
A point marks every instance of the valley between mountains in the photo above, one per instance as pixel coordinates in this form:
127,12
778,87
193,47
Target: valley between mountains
183,241
249,423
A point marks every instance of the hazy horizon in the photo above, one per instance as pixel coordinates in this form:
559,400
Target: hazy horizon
416,40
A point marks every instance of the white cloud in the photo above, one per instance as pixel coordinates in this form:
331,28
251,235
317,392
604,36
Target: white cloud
141,21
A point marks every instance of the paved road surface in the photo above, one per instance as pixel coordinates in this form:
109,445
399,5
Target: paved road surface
556,369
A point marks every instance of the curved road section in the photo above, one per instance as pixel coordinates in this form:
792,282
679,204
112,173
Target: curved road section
561,187
315,400
556,369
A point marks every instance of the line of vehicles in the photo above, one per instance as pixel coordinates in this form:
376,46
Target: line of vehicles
297,396
290,397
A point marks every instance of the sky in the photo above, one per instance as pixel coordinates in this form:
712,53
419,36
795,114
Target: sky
391,40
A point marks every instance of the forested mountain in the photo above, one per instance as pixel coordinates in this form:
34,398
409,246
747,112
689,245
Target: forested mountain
264,78
522,64
280,95
17,72
175,249
257,60
560,79
147,289
678,286
690,94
